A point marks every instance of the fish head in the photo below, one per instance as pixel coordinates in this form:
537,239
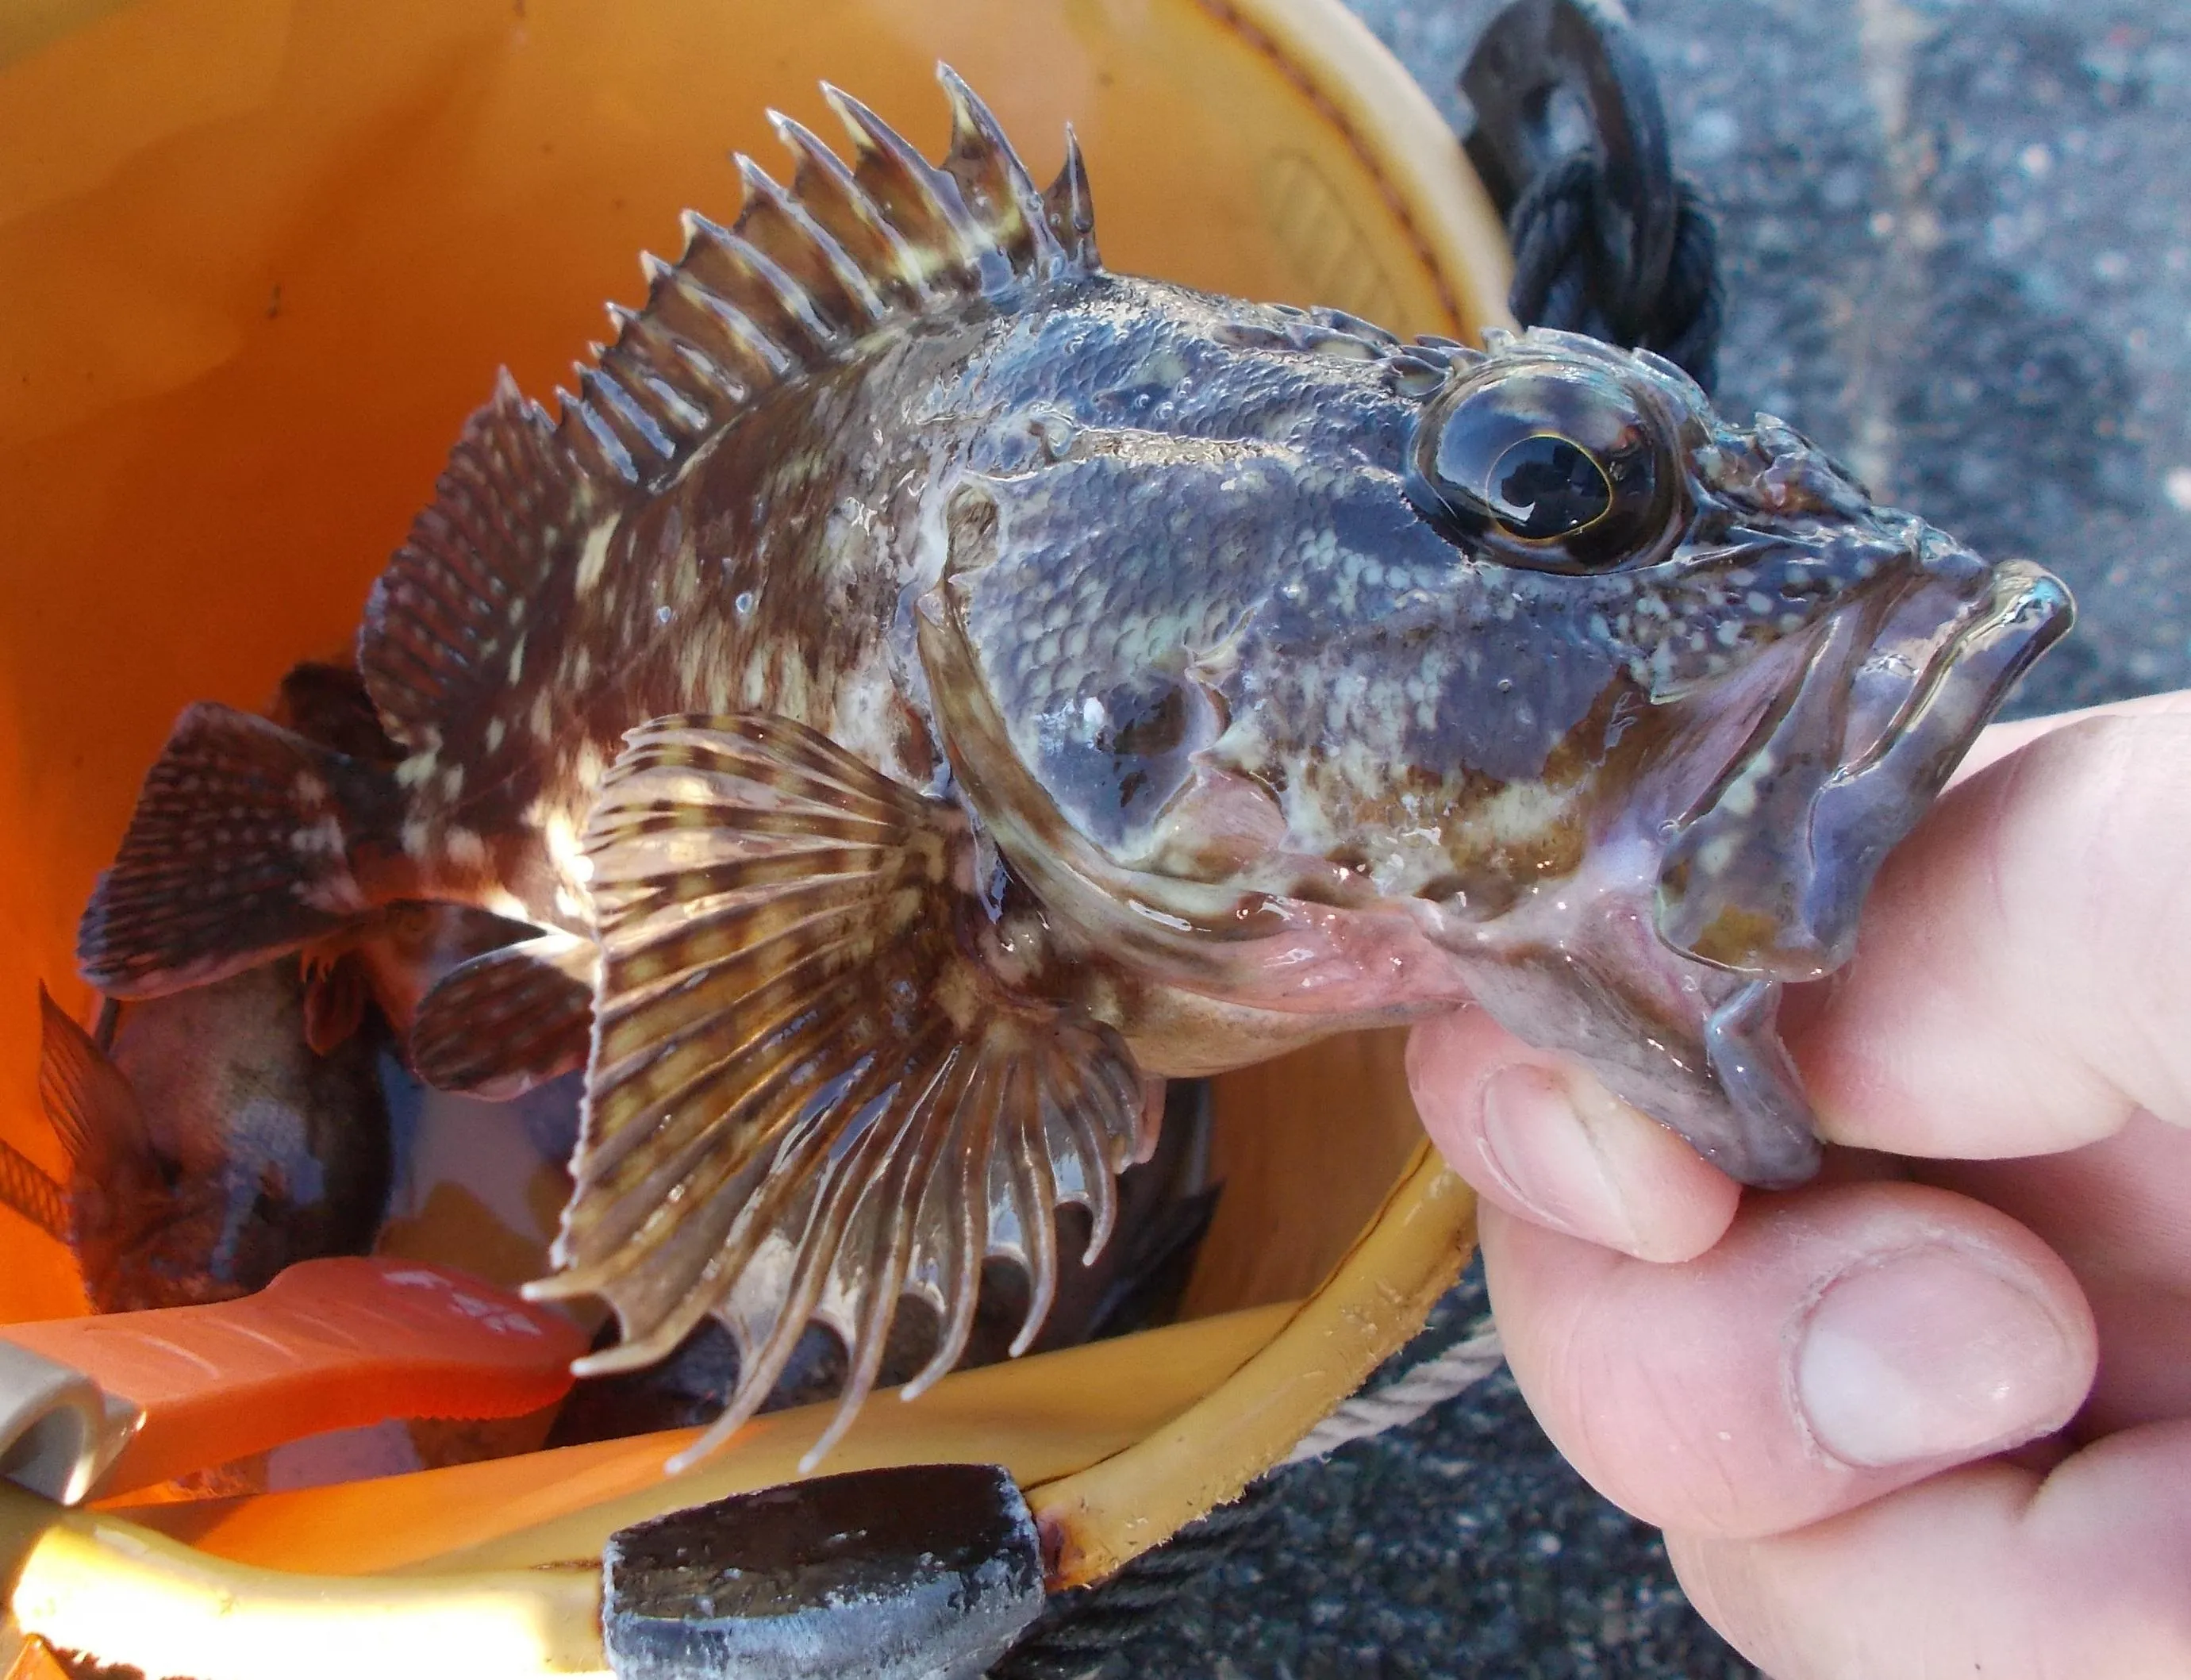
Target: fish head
1384,675
1732,657
1276,599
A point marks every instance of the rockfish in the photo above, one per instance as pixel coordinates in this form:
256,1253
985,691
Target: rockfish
930,687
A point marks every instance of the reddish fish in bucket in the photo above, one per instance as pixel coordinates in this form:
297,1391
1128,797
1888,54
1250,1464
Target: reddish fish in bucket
210,1145
218,1134
930,685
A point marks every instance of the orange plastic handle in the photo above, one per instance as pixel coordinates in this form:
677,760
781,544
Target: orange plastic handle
329,1344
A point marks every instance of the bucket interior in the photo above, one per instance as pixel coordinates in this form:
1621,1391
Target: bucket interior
259,259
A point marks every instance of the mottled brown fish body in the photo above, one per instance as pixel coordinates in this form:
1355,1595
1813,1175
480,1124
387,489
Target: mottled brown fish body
923,685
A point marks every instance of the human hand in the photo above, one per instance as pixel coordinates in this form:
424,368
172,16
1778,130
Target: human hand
1931,1414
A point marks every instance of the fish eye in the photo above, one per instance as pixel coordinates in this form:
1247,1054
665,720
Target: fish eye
1552,469
1546,486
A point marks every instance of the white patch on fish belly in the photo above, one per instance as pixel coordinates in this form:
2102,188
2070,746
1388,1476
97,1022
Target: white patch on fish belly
494,733
416,770
542,718
594,556
517,659
418,839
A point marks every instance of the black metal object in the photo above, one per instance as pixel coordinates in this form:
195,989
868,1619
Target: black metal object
1570,140
919,1572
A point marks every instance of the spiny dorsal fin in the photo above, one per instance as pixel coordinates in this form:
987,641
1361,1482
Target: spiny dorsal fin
803,274
808,1093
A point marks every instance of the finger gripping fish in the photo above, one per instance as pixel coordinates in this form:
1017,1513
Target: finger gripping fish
929,685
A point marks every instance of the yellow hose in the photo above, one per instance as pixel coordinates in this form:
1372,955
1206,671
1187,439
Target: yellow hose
94,1583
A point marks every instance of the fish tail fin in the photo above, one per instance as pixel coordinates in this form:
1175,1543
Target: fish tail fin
93,1109
243,847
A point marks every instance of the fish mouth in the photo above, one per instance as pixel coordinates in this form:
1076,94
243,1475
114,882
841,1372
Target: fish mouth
1766,873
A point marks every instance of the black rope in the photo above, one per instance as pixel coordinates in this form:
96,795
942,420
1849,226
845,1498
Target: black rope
1571,142
1566,276
1086,1632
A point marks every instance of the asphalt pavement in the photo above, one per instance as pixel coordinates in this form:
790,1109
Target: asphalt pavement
1956,254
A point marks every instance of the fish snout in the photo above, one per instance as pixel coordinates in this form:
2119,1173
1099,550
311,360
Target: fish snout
1766,875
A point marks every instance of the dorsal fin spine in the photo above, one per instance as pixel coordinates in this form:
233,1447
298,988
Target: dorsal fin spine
724,359
655,364
722,262
596,449
714,324
994,181
1071,211
835,199
861,305
650,450
912,196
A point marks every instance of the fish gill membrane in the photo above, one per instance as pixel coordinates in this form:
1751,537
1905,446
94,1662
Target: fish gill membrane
931,689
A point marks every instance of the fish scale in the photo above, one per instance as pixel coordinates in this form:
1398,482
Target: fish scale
927,689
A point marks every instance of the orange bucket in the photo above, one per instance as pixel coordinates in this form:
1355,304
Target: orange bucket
259,260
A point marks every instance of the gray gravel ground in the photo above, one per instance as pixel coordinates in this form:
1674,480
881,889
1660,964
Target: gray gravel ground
1956,251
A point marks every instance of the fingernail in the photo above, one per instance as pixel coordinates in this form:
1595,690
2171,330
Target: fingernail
1932,1352
1541,1145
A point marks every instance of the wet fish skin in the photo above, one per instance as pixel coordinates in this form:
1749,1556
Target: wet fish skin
210,1147
951,684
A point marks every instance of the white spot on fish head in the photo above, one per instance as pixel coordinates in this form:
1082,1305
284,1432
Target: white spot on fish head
542,717
453,782
418,839
417,770
517,659
494,734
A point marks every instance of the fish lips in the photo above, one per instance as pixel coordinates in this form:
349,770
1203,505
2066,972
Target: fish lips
1766,873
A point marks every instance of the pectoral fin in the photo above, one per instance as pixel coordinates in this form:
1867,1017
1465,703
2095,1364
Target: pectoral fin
509,1020
810,1092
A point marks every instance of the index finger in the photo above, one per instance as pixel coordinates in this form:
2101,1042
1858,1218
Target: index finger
2022,983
